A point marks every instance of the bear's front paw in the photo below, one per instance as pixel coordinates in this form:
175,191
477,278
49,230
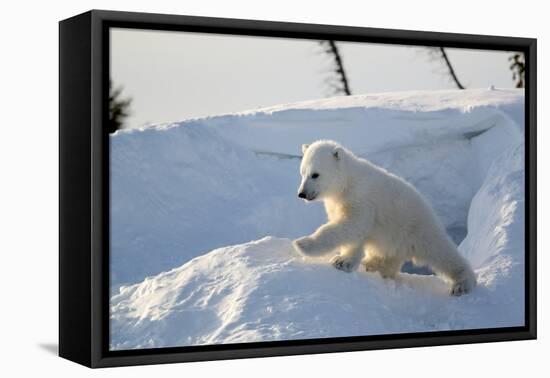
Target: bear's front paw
304,245
343,263
372,264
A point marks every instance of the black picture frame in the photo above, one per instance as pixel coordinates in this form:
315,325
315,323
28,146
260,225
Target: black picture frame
84,187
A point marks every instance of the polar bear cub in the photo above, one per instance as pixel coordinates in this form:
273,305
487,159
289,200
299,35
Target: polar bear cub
374,217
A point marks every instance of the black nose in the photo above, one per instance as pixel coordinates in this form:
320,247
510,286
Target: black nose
302,195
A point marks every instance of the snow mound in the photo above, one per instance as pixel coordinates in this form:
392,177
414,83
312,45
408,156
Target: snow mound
181,190
167,181
263,290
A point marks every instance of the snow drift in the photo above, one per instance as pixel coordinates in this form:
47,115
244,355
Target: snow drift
227,184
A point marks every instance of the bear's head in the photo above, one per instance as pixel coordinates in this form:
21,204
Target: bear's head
322,170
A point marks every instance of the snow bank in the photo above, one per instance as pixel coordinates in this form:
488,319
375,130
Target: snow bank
166,182
181,190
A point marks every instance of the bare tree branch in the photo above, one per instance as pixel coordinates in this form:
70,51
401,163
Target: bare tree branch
450,67
440,54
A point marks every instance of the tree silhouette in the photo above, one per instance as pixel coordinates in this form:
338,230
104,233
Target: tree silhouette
119,108
439,53
518,69
445,58
339,84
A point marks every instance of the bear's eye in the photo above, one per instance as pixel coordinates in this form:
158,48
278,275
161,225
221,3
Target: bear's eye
314,176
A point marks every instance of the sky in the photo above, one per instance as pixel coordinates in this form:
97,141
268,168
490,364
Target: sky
173,76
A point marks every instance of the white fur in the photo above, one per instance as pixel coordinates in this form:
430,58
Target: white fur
376,217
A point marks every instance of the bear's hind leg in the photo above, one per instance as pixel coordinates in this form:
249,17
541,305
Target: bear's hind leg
449,263
464,281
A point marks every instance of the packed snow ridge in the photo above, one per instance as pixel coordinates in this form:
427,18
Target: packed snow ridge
214,200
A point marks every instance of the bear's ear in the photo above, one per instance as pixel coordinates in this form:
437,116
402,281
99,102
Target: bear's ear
304,148
337,152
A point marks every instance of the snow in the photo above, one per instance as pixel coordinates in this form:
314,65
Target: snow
216,199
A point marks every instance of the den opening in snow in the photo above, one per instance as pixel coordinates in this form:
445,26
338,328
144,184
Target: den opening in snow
203,213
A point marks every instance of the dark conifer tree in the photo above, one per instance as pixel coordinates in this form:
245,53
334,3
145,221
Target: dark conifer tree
339,83
518,69
119,108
